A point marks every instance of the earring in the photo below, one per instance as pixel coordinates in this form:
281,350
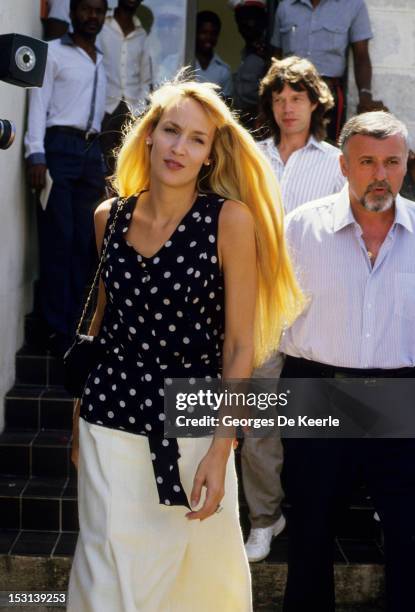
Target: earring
207,163
148,142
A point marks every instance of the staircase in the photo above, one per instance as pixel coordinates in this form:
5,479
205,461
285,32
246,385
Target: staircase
38,507
38,513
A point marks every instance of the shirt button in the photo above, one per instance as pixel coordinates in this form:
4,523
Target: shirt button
369,305
367,335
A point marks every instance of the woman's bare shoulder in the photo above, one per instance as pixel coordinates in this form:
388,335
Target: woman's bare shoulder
236,216
102,212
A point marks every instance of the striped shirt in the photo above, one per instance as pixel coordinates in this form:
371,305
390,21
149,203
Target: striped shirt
357,316
311,172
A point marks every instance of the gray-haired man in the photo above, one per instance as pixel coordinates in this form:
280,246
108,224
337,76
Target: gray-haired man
355,251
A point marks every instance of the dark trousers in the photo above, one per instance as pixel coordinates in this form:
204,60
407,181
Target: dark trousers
66,245
337,115
112,130
318,477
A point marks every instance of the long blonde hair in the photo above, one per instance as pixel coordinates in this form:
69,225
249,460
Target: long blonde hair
239,171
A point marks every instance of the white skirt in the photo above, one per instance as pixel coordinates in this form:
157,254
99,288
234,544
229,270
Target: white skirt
134,554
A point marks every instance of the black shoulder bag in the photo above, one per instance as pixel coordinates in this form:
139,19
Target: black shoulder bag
86,351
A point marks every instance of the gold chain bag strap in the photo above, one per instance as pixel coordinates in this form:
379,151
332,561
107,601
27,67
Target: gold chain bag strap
85,352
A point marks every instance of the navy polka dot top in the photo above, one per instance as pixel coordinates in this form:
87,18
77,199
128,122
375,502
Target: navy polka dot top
164,319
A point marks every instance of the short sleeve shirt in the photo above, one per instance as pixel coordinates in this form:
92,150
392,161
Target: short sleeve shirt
217,72
321,34
246,80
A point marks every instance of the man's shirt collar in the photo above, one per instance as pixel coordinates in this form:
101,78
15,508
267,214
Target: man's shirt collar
342,211
402,215
343,215
113,23
312,142
218,60
67,40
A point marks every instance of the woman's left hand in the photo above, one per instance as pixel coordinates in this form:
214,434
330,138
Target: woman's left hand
210,474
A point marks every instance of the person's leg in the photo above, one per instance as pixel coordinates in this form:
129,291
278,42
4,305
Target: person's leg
390,469
261,462
315,476
55,227
111,133
214,574
130,547
336,115
88,191
261,465
134,553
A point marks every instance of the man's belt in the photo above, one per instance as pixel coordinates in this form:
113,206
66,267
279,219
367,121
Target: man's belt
296,367
66,129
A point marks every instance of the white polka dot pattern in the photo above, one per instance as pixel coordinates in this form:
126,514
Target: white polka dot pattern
164,320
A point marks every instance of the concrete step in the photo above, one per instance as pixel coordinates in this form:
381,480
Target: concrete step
359,588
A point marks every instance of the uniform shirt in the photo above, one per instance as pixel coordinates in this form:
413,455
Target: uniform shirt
322,34
217,72
357,316
246,80
67,96
127,64
309,173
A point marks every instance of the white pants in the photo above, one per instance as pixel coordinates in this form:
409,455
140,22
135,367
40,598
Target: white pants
134,554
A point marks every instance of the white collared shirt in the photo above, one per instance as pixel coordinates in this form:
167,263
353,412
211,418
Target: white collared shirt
59,9
127,64
357,316
311,172
217,72
67,95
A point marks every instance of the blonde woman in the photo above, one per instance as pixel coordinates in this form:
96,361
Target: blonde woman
196,283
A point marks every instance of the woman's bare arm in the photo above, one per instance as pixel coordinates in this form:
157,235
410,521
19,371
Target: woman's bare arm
237,256
100,221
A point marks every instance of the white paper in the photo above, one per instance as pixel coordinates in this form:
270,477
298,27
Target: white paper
45,193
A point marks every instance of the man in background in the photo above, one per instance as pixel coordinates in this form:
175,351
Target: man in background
58,20
65,117
354,254
128,68
210,67
321,31
251,19
294,102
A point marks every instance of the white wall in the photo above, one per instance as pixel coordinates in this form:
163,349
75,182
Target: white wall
17,237
392,52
